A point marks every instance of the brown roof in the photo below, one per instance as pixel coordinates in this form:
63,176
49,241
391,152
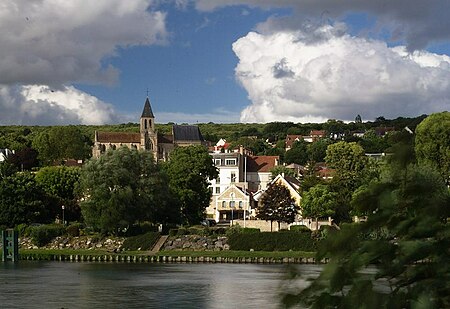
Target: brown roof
261,163
320,133
118,137
165,138
290,139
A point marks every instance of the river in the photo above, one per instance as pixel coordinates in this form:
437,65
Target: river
30,284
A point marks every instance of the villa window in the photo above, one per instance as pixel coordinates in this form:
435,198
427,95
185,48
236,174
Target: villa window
233,177
232,203
240,204
224,204
217,190
230,161
217,162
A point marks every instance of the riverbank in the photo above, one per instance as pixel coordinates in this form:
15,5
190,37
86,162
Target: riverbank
257,257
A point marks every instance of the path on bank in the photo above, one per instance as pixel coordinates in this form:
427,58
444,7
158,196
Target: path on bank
158,245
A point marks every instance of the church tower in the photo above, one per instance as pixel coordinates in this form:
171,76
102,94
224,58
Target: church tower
149,140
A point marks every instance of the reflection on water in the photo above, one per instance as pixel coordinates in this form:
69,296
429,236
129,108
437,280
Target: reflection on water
111,285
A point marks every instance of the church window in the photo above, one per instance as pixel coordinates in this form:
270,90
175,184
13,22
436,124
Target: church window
145,124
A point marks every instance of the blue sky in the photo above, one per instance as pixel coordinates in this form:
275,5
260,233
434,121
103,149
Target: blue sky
222,60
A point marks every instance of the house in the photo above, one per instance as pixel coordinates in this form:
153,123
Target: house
291,139
5,153
259,171
148,138
242,172
232,204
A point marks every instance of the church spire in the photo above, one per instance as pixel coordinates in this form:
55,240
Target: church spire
147,112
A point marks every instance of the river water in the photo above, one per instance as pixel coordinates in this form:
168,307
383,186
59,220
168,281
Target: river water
30,284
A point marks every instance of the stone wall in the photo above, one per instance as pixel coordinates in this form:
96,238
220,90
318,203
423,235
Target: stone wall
81,242
196,243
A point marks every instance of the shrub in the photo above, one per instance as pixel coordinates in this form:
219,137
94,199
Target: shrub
272,241
141,242
23,229
299,228
73,230
43,234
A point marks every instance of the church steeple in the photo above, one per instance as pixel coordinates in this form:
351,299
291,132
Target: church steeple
147,112
147,118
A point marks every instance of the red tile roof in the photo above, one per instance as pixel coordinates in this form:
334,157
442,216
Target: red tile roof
290,139
261,163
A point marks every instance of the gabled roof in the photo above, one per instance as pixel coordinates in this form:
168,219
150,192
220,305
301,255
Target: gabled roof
261,164
165,138
147,112
118,137
291,138
186,133
320,133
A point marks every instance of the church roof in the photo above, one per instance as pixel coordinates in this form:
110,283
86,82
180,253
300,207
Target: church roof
147,112
118,137
165,139
186,133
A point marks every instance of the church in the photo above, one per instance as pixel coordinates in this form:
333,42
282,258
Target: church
148,138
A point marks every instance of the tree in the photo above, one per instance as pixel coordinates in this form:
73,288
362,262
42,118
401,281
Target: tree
22,201
298,153
318,150
189,171
411,256
60,182
123,187
349,161
433,142
58,143
281,169
278,205
318,202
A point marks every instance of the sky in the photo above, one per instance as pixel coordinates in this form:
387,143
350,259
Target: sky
224,61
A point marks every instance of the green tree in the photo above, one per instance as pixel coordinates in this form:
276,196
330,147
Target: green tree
297,154
281,169
60,182
58,143
433,142
278,205
189,171
318,150
318,202
22,201
122,187
411,257
349,162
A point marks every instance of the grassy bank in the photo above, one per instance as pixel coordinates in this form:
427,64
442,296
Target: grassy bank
213,254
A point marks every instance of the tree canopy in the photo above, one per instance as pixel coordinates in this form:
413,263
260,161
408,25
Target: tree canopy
189,170
432,143
122,187
318,202
277,204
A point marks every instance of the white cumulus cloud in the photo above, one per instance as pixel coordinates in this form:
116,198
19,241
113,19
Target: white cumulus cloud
324,73
46,45
40,104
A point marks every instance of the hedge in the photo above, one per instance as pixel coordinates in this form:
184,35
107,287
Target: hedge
43,234
272,241
141,242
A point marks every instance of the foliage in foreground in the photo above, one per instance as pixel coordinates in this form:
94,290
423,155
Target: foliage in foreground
411,258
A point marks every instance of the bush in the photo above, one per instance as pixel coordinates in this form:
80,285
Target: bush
141,242
73,230
43,234
23,229
272,241
299,228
